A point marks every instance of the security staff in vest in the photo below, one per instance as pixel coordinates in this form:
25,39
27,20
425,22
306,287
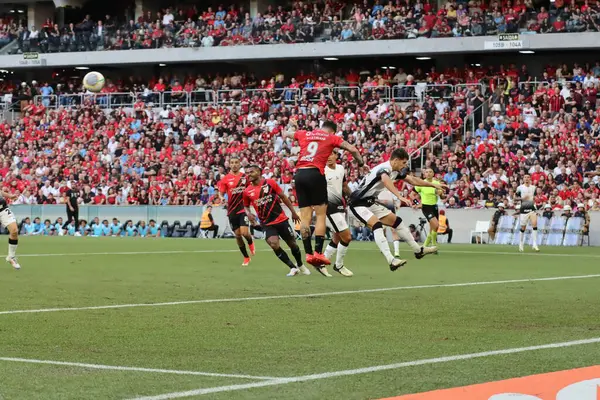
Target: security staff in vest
207,223
444,226
429,200
500,212
581,213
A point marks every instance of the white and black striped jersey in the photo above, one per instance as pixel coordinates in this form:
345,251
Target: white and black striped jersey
371,185
335,184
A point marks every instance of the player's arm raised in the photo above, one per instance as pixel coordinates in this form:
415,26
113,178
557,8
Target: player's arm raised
413,180
8,195
389,184
354,151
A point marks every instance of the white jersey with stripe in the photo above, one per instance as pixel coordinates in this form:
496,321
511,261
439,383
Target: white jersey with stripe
335,180
527,194
371,185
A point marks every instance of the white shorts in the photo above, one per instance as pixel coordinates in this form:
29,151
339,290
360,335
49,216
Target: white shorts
337,222
523,218
364,214
7,217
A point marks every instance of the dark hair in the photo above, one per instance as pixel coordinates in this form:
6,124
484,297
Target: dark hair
253,166
330,125
399,154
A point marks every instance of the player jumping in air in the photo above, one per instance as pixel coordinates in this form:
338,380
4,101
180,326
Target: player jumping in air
266,197
234,184
311,185
7,219
429,207
337,190
391,202
526,193
364,205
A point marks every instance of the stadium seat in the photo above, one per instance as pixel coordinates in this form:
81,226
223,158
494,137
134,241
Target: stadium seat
176,230
481,228
165,229
189,229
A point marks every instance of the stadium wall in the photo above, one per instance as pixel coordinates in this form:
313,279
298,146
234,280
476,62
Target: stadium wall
480,44
461,221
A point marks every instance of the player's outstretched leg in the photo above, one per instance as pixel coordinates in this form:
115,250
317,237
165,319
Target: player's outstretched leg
13,242
245,232
344,241
396,240
384,247
534,232
242,246
331,247
522,239
273,242
405,234
320,230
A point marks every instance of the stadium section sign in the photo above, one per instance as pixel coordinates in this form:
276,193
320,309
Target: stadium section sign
32,60
506,41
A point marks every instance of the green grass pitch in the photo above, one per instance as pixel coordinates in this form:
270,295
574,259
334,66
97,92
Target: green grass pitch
201,343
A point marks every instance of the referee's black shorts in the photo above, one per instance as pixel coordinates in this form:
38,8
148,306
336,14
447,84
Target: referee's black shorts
430,212
311,187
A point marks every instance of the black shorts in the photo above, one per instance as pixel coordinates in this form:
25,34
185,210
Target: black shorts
237,220
430,212
311,187
283,229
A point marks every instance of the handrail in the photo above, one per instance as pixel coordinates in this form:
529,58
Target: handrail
422,147
471,117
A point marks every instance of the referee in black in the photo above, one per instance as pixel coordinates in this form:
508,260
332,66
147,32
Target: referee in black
72,206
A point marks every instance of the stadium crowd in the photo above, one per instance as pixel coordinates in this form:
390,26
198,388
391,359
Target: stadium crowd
176,155
307,21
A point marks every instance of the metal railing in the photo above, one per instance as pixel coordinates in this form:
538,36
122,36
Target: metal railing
235,97
471,116
420,152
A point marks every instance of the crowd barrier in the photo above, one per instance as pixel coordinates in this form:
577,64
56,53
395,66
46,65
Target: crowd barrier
462,221
555,231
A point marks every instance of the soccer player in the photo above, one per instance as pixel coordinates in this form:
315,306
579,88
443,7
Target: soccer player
526,193
389,201
71,196
429,207
364,206
234,184
337,190
311,185
7,219
266,197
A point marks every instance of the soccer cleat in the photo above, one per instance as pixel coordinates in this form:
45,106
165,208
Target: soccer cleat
321,258
312,260
521,249
304,270
13,261
397,263
246,261
293,272
425,251
323,271
252,249
536,249
343,270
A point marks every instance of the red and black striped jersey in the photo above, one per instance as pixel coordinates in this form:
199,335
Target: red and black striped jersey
234,186
264,197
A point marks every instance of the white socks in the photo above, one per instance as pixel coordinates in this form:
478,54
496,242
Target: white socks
329,251
12,250
383,245
405,234
396,247
523,238
534,237
341,253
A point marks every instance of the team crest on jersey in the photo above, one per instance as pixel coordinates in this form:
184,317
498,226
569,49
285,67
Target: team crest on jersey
265,189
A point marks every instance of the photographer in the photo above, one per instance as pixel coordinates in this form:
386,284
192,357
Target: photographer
415,233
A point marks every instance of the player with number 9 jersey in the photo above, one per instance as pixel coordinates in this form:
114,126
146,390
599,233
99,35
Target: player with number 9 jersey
311,186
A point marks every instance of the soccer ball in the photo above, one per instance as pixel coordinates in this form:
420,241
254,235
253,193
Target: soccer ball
93,81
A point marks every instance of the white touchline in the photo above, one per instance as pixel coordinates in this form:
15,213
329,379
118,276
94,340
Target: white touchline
296,296
377,368
133,369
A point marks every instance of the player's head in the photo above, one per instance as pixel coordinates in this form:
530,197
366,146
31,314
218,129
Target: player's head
329,126
209,208
234,164
399,159
332,159
527,179
253,172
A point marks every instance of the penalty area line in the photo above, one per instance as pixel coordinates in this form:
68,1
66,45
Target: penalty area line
296,296
377,368
133,369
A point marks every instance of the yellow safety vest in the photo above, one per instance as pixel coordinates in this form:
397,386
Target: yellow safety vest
443,226
205,221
